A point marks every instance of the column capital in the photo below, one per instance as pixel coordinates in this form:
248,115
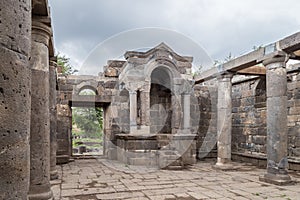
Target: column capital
41,32
225,76
186,93
52,64
132,92
279,57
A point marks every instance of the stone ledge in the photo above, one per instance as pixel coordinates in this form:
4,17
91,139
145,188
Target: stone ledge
260,160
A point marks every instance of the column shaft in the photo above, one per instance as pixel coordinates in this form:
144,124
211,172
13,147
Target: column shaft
14,98
145,108
133,110
276,121
186,111
53,122
224,119
40,118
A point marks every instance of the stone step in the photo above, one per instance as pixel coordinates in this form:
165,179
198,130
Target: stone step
142,161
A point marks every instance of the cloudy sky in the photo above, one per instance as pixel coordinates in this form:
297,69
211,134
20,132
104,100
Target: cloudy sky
220,27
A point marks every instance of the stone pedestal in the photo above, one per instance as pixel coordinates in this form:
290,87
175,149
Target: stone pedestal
40,118
224,123
184,143
276,120
53,113
14,98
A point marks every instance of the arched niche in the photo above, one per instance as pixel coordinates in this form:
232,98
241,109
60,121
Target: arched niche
161,101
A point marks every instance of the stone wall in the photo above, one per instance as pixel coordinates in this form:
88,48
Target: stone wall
207,125
68,96
294,112
249,115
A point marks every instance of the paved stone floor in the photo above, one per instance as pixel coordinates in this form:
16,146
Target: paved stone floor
87,179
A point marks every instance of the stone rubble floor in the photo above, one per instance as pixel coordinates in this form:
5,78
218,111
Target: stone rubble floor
88,179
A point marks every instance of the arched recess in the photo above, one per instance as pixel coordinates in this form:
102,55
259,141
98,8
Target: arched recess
87,90
161,100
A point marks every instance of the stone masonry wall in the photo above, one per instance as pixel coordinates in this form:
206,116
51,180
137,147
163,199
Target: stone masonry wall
294,113
207,125
249,115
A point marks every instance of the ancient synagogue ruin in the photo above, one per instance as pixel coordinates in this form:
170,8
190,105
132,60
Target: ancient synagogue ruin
156,112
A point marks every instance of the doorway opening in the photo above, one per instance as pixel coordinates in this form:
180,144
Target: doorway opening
87,127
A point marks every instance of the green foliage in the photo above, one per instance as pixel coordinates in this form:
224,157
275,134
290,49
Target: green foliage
226,59
257,47
87,92
64,62
89,120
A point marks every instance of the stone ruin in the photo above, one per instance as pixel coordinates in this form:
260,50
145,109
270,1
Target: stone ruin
147,102
155,112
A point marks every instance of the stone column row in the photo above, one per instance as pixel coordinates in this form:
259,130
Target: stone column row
276,77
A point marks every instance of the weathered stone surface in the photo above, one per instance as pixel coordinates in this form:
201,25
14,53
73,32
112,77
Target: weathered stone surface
224,120
15,31
40,116
276,122
53,117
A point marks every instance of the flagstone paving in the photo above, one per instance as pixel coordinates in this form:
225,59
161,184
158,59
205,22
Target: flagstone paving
90,179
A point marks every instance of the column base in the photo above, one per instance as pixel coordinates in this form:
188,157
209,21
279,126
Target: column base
224,164
62,159
40,193
53,175
276,179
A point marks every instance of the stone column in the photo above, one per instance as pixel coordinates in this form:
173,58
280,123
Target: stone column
14,98
40,118
64,133
186,110
224,123
145,112
145,108
133,111
277,139
53,118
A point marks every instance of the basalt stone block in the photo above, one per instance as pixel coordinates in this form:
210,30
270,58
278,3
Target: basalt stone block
110,84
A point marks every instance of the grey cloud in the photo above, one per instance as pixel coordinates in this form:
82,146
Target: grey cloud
219,26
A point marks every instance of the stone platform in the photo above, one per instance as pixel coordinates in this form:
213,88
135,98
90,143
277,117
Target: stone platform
105,179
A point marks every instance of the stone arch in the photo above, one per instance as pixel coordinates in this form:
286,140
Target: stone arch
90,85
163,64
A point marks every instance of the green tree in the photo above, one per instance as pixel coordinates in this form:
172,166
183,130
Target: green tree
64,62
89,120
